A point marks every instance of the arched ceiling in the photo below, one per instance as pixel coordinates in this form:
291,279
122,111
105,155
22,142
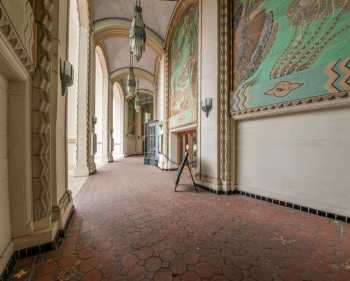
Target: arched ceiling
156,13
111,21
118,53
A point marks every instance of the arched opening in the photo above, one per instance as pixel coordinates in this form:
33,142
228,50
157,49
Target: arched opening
118,122
101,108
77,113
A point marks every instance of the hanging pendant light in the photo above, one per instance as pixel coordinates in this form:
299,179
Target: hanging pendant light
131,80
137,33
137,99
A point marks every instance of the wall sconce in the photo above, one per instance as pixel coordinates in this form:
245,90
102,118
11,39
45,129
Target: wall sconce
208,104
67,75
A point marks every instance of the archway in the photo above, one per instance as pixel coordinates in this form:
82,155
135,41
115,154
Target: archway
77,99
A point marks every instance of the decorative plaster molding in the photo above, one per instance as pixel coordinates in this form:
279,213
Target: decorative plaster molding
41,135
224,86
289,106
24,50
166,107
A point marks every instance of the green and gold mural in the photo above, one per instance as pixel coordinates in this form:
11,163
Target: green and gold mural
184,69
287,51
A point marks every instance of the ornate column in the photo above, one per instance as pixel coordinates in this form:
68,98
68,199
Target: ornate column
91,107
110,121
41,170
82,168
224,137
62,202
166,112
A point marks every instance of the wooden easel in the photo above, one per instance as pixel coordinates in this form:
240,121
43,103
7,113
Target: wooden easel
181,168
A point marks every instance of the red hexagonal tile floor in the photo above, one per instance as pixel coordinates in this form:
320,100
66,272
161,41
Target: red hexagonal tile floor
130,225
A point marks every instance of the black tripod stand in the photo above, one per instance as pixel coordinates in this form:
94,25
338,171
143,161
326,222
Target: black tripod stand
180,170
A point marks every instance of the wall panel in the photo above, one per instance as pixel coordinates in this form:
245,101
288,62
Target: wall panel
301,158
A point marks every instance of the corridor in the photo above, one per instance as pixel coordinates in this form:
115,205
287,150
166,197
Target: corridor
129,224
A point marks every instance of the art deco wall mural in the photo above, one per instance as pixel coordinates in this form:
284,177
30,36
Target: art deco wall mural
184,69
289,51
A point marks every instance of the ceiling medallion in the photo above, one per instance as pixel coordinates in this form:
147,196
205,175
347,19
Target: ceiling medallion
137,32
131,80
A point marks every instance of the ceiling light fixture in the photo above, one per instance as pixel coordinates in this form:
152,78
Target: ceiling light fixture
137,32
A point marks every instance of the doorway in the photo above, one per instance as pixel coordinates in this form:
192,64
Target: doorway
187,141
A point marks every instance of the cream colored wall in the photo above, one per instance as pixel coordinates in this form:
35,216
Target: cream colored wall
208,64
302,158
5,229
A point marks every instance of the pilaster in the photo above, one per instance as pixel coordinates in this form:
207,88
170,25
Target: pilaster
91,106
225,126
41,121
110,121
82,168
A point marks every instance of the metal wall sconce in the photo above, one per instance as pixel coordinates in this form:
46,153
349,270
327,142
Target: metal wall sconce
208,104
67,75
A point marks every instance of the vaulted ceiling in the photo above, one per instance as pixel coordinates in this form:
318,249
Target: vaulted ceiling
156,15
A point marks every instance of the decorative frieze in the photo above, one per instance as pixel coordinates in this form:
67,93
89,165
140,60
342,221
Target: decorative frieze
22,44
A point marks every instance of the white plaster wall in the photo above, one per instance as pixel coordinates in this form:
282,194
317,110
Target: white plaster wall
302,158
5,229
208,64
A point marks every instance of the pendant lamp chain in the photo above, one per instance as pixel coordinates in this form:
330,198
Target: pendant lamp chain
131,81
